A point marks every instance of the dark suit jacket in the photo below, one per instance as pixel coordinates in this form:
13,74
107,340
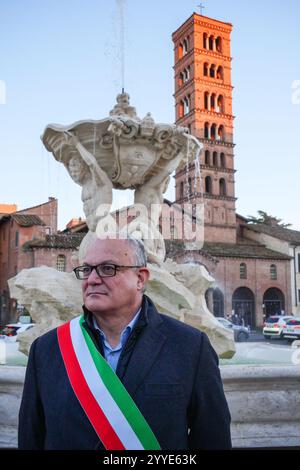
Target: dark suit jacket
169,368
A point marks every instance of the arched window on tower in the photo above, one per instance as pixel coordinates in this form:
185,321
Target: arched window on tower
204,41
208,185
215,159
180,51
206,97
221,133
186,102
219,44
206,131
186,44
213,102
273,272
220,75
220,104
205,69
222,160
207,157
61,263
186,74
211,43
181,109
180,79
222,185
243,271
190,188
213,132
212,71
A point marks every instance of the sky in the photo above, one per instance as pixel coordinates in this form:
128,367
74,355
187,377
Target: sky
60,62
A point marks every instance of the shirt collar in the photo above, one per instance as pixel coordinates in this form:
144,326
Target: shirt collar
124,334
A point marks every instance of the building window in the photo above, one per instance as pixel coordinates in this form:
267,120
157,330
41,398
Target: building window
186,44
205,69
219,44
204,41
222,187
206,130
181,190
220,104
180,51
220,75
213,102
181,109
222,158
208,185
243,271
273,272
61,263
186,104
186,74
213,132
221,133
207,157
180,80
17,238
190,186
211,43
215,159
212,71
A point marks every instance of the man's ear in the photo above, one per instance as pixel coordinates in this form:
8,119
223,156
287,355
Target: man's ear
143,277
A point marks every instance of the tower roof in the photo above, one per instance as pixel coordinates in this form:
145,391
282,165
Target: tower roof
204,19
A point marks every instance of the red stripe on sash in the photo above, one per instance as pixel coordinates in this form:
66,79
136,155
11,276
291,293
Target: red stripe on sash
81,389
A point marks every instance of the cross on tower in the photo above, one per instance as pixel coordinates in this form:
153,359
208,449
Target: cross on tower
201,8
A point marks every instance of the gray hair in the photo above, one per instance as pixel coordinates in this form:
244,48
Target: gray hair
139,250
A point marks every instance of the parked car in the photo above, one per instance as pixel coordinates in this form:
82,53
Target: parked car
13,329
274,326
240,332
292,330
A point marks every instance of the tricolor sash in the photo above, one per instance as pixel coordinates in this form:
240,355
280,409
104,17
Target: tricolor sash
106,402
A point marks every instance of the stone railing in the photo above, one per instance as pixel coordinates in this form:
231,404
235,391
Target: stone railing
264,405
263,401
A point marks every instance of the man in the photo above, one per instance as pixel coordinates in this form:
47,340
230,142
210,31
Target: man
159,385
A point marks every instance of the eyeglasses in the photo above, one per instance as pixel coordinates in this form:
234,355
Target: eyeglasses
103,270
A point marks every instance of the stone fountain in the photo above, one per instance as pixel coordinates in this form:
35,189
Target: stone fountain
122,152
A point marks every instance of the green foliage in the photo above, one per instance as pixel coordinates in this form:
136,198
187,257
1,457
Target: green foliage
264,218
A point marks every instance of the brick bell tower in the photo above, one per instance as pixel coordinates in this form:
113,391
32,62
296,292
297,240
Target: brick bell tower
203,96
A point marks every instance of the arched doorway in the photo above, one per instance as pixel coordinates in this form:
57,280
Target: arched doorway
243,305
215,302
218,301
274,302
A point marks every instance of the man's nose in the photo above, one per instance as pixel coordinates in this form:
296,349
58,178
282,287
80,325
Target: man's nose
94,278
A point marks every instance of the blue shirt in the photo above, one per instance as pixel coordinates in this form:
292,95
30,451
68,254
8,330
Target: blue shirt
112,355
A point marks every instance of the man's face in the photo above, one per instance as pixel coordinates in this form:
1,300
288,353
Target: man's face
120,292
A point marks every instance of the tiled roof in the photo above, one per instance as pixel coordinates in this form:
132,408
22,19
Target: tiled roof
242,250
27,220
292,236
70,241
24,220
228,250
